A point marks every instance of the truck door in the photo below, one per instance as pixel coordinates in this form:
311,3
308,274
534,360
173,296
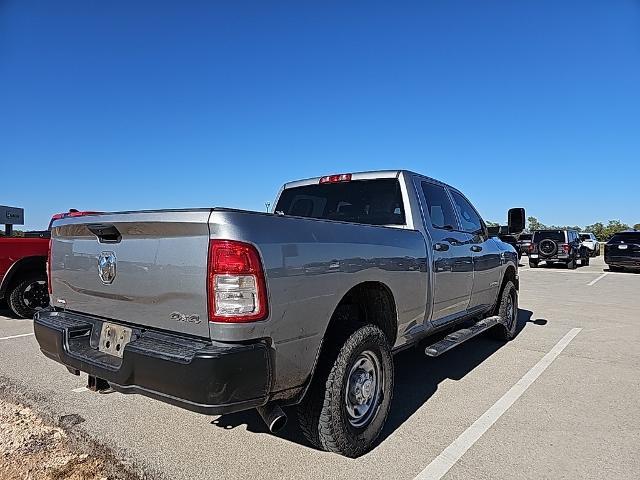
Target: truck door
486,255
452,261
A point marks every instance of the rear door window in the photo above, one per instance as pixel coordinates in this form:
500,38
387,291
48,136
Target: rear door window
373,202
439,206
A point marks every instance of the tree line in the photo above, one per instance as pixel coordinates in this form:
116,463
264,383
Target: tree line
600,230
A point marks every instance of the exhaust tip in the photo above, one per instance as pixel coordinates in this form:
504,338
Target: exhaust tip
278,424
273,416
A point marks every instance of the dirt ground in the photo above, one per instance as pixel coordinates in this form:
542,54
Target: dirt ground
31,447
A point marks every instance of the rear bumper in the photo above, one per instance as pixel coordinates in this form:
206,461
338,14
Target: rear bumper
198,375
622,261
553,258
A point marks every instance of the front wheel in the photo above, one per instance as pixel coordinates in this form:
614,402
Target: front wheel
350,396
507,310
29,295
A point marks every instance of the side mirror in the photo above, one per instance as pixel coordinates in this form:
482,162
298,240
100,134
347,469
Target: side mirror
516,220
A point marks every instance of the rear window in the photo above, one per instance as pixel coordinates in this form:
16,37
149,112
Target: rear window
525,236
555,235
626,237
373,202
585,237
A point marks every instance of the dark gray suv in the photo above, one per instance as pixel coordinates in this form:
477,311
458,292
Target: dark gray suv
557,246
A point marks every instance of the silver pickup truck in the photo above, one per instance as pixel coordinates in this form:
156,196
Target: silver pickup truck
219,310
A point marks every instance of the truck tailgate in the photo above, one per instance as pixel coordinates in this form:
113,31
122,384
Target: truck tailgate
149,269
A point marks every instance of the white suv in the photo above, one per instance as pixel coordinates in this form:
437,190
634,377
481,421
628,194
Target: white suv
590,241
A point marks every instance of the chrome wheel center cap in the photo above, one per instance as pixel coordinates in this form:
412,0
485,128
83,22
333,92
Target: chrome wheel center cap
367,387
362,388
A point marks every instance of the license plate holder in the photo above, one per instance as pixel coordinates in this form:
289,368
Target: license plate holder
113,339
534,255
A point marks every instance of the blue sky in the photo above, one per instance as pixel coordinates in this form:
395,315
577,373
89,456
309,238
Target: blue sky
135,105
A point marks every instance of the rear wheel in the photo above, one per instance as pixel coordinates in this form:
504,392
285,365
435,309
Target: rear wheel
507,310
349,399
29,295
586,260
572,264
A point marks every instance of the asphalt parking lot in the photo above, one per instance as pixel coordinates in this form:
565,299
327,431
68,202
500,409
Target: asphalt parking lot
525,409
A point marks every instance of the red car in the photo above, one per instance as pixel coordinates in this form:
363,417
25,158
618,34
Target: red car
23,269
23,274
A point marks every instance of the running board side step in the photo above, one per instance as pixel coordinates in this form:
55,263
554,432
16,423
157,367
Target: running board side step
460,336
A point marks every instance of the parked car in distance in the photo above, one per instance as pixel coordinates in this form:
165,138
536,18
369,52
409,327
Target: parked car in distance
23,276
502,232
557,246
511,240
622,251
591,243
524,241
219,310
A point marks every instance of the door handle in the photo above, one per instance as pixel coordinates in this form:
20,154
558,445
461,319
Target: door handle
440,247
476,248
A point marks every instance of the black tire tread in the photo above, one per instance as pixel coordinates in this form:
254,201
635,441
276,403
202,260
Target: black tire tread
317,413
501,332
308,411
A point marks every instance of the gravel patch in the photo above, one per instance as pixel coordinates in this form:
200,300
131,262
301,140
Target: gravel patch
34,445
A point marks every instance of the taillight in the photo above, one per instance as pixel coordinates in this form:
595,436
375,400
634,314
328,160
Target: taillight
236,284
566,247
49,269
342,177
531,248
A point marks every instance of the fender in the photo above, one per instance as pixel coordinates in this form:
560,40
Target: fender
508,262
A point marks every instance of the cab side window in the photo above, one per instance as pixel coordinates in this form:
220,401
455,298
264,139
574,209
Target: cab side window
470,220
440,208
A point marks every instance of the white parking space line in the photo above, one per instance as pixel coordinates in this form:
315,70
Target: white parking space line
17,336
450,455
593,282
557,271
80,390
